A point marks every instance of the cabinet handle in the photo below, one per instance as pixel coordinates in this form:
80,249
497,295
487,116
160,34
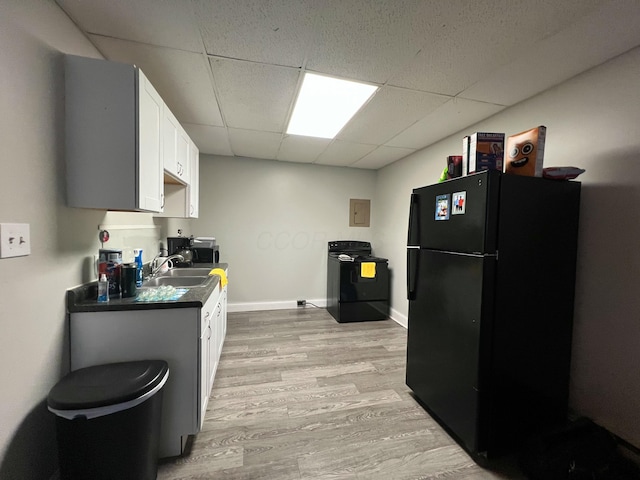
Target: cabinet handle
162,200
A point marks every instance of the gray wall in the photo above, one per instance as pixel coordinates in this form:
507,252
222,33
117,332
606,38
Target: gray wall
273,220
593,122
34,36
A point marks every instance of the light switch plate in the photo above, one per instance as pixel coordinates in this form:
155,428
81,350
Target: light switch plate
15,240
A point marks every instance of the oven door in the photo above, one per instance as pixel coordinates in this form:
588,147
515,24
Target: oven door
354,287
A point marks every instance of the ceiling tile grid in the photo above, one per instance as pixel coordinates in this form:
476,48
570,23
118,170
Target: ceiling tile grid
262,31
389,112
341,153
296,148
252,143
230,69
182,78
168,23
451,117
209,139
381,156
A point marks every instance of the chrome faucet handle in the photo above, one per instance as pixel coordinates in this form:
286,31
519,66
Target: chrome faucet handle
156,269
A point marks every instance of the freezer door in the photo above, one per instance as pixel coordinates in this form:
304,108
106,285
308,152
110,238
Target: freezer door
458,215
447,345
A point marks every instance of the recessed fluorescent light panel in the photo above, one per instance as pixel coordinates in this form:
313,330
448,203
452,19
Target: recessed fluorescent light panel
326,104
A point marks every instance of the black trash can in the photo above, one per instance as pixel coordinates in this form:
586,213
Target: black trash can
108,420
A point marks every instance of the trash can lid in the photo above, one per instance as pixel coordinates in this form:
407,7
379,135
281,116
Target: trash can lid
109,384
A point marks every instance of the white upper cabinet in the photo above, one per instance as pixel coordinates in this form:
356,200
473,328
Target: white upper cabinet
184,143
181,200
176,148
150,162
114,139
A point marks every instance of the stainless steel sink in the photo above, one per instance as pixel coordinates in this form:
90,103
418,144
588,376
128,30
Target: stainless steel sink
187,272
176,281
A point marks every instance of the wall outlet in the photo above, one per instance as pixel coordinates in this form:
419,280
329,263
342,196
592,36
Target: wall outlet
302,303
14,240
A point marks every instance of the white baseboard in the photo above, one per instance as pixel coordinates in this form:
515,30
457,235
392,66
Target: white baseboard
283,305
394,314
399,318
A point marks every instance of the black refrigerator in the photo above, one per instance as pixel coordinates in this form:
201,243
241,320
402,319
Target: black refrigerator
491,264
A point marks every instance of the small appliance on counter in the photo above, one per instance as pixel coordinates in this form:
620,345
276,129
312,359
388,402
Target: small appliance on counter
206,249
194,250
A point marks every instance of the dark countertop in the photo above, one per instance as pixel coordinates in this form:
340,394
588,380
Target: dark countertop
84,297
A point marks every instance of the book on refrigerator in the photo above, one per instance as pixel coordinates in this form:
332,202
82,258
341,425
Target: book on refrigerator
486,151
525,152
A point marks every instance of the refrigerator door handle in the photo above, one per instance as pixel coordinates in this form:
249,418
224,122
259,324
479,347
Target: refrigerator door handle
412,272
414,220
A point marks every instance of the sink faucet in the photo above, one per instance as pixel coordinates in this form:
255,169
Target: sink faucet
156,269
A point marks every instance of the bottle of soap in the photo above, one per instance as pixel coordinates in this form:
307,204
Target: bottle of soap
138,258
103,288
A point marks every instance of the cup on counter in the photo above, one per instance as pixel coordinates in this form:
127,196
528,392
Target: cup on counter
166,265
128,280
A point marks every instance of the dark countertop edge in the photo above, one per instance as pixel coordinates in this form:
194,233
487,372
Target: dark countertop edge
83,298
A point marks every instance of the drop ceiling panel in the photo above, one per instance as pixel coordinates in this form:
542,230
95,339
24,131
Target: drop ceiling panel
169,23
210,140
453,116
368,41
295,148
479,41
250,143
259,31
382,156
254,96
388,113
341,153
182,78
559,57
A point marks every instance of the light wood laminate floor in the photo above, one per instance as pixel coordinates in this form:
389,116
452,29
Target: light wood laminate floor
299,396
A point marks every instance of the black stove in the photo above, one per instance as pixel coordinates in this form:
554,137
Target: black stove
357,282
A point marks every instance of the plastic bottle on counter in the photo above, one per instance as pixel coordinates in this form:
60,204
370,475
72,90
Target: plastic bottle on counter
103,288
138,259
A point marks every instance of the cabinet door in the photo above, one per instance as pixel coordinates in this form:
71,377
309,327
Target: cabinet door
100,134
205,354
194,183
214,353
168,334
169,142
223,302
183,151
150,117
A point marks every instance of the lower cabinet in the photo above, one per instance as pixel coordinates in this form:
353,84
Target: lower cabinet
189,339
211,339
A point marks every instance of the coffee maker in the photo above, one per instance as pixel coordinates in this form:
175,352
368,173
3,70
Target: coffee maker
182,246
